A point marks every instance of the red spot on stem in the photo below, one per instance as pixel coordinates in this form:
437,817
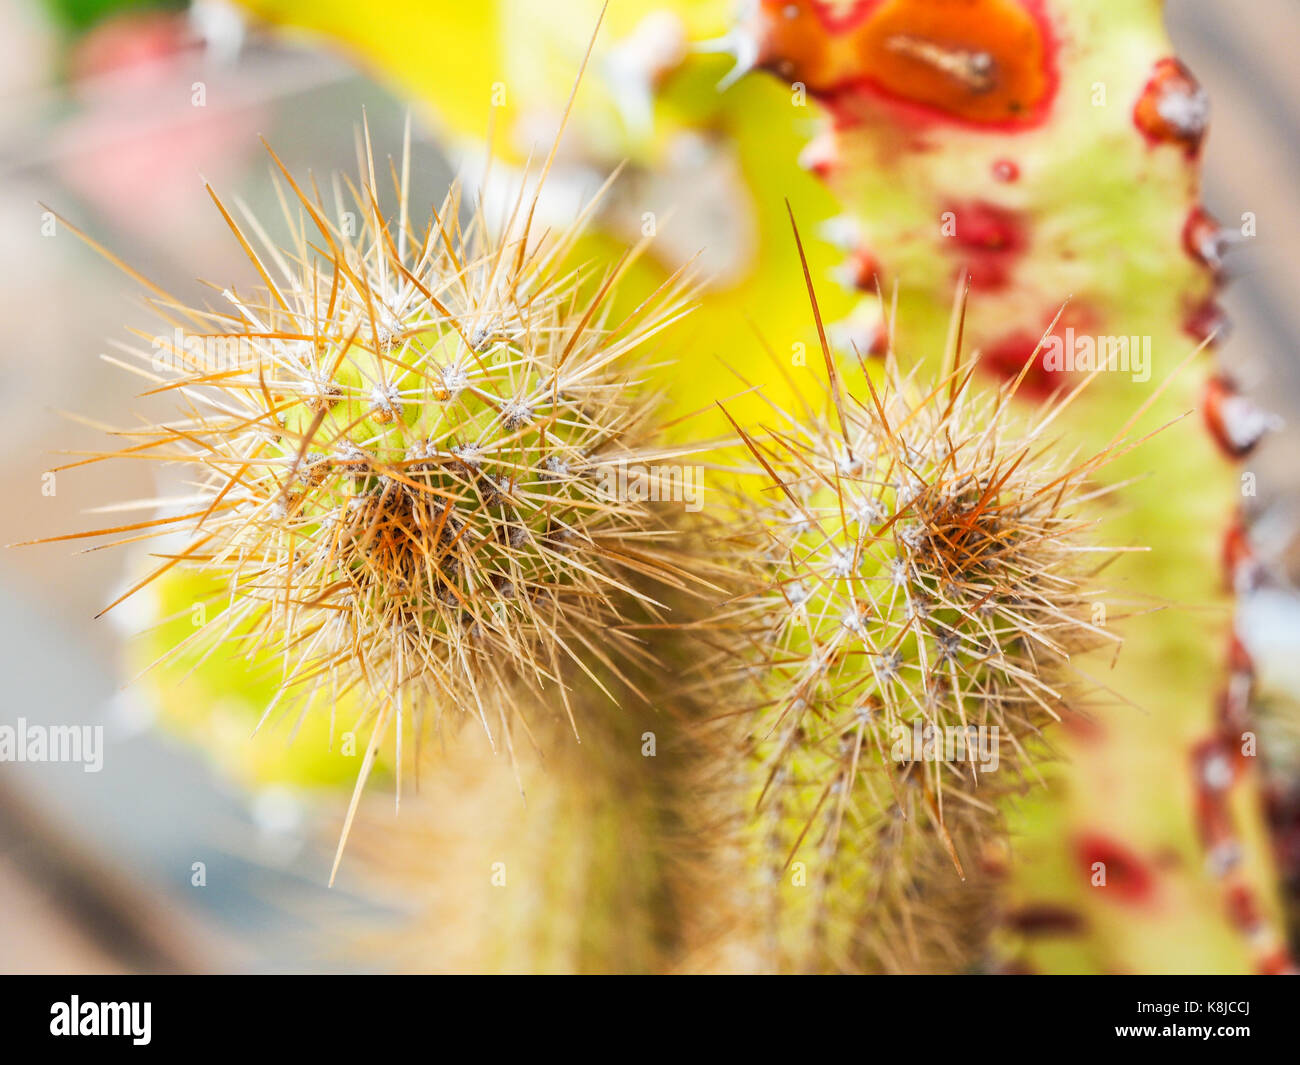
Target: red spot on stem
1205,321
864,269
1006,170
1129,879
989,241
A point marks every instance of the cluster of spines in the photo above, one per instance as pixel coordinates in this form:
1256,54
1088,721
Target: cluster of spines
918,568
400,461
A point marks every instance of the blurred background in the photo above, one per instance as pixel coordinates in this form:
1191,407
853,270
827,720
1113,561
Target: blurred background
99,120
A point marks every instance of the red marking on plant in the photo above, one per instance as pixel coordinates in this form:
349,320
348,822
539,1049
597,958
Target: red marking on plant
127,41
821,154
1233,707
1239,660
1005,170
1207,319
1203,238
1234,421
1277,963
1046,919
986,64
1237,556
866,338
989,241
1007,357
1172,108
1214,768
879,342
840,16
1243,908
864,269
1129,879
1233,713
1085,729
1214,826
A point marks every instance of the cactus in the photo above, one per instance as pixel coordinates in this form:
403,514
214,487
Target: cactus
1011,145
403,450
1047,152
923,592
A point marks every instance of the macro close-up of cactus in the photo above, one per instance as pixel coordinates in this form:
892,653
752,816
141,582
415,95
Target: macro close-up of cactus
647,487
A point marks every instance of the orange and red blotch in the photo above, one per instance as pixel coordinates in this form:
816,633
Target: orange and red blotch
1235,422
982,63
1173,108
